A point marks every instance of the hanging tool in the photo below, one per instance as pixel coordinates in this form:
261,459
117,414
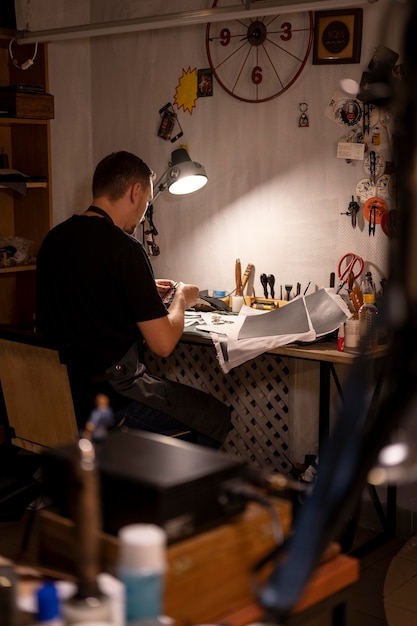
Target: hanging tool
150,233
332,280
349,263
372,219
288,289
238,277
353,209
264,282
271,282
373,210
298,289
306,289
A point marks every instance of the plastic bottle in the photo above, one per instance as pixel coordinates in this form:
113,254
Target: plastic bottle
341,338
49,612
141,567
367,315
368,285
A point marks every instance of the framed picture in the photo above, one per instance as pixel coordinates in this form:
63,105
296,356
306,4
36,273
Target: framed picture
337,36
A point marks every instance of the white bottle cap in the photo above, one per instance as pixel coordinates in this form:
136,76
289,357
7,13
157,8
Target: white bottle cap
142,546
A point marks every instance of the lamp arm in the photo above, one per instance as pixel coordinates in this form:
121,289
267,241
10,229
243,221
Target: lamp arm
160,185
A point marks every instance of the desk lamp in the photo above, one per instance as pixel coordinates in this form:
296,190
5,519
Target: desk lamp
182,176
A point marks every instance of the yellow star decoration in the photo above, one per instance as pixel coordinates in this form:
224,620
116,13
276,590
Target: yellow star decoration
186,90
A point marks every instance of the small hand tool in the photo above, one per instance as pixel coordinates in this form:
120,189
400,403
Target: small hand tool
306,289
248,271
372,219
271,282
298,289
264,282
288,289
353,209
349,263
351,278
356,300
332,279
238,276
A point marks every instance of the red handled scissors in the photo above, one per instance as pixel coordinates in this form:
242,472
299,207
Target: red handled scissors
349,265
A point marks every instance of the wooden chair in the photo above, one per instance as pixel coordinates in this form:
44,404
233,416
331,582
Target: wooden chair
36,392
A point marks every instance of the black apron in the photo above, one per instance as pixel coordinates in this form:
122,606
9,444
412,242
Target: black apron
196,409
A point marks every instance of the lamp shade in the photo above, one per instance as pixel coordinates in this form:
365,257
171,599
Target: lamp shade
183,175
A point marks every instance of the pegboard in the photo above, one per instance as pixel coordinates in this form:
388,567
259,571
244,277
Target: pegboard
256,392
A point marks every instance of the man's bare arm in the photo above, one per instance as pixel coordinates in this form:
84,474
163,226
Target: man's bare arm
162,334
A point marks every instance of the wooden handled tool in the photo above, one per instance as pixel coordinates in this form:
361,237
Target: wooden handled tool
356,298
238,276
248,271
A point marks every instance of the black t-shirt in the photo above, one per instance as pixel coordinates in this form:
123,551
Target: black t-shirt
94,282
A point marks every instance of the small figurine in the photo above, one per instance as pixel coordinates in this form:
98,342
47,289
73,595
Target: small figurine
100,420
303,120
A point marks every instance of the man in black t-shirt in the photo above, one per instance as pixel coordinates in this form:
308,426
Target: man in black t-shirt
98,301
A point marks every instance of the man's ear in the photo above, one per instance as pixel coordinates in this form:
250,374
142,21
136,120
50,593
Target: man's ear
135,190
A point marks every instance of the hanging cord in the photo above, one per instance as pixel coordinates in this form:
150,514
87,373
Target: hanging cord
29,62
26,64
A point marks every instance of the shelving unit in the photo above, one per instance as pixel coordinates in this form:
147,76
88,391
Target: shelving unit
29,215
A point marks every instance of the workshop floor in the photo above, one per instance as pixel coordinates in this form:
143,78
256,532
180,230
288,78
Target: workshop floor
398,557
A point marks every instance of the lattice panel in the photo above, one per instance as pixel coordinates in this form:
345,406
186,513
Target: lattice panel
257,393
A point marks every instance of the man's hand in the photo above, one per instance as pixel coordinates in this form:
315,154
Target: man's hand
164,284
166,289
187,295
162,334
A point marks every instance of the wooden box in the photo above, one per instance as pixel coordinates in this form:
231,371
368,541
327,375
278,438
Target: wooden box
27,105
208,575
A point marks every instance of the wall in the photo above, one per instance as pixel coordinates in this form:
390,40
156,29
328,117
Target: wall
276,191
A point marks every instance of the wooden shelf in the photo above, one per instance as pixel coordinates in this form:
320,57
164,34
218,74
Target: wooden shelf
28,186
7,121
17,268
26,141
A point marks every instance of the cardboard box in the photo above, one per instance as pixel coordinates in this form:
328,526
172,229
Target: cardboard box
27,105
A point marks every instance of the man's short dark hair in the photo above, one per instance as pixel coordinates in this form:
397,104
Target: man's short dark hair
117,172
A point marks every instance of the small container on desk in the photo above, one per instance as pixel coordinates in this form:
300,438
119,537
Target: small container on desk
264,304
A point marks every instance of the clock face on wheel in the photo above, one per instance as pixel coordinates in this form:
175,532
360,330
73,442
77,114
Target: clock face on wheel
256,59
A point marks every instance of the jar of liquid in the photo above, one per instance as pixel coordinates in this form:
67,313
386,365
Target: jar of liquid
141,567
367,315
